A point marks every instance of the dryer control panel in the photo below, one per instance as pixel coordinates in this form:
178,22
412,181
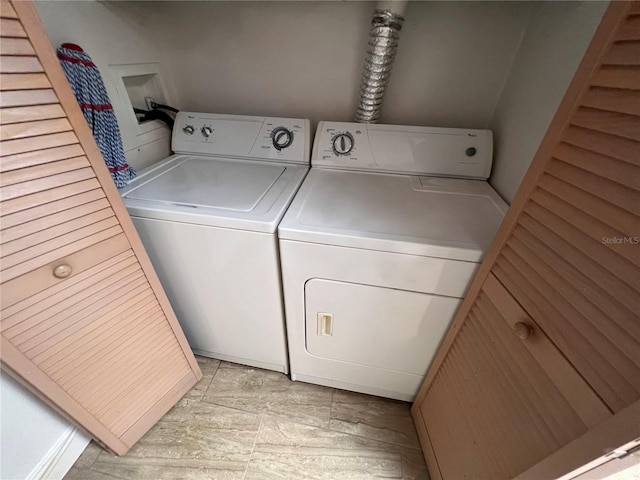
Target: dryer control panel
260,138
449,152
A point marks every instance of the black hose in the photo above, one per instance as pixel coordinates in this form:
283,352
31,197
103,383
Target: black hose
154,115
155,105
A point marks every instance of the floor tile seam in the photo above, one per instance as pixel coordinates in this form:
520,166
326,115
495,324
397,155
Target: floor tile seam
326,451
333,394
253,448
395,411
94,458
210,427
372,425
168,462
217,431
210,382
413,449
417,449
297,419
108,474
143,460
227,406
273,414
105,452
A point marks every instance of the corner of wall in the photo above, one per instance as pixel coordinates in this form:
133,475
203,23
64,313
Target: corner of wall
61,457
510,68
554,43
34,439
118,45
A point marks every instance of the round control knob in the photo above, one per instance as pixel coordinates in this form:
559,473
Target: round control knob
188,129
281,138
206,131
342,143
62,271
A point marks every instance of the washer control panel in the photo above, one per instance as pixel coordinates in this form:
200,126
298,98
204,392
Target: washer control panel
268,138
403,149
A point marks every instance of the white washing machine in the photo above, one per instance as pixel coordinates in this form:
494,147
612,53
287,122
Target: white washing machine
208,216
378,249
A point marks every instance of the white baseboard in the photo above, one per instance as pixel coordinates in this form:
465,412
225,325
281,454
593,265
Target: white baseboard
61,456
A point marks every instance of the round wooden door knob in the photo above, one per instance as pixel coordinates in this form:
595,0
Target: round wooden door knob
523,330
62,271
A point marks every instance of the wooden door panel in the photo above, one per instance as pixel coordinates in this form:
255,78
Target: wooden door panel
27,286
39,157
24,145
30,228
15,46
34,128
20,64
617,77
566,260
12,28
85,323
25,114
25,81
491,381
52,296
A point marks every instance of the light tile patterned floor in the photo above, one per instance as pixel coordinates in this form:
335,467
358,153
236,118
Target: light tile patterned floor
243,423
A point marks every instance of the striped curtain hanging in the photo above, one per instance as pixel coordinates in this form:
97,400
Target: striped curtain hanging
90,92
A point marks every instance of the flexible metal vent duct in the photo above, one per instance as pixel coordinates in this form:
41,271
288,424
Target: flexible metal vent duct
383,42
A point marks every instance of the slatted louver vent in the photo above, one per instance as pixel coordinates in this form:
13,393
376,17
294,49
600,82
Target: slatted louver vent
501,382
99,344
573,260
564,272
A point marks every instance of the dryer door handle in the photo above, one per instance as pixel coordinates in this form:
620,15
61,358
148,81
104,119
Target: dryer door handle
325,324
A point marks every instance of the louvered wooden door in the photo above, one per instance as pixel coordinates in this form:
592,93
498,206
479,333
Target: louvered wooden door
540,371
505,403
85,323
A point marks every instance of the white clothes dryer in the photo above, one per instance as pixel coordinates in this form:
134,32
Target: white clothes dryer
207,217
378,249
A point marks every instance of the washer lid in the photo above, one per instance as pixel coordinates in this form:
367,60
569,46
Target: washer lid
431,216
198,182
229,193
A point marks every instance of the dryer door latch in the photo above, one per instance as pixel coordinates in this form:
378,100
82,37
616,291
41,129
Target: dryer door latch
325,324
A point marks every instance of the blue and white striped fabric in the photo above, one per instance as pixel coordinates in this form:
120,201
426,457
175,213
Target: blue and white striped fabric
88,87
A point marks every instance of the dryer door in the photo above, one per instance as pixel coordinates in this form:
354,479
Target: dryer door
375,326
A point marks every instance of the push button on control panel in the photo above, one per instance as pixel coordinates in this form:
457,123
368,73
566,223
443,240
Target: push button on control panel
342,143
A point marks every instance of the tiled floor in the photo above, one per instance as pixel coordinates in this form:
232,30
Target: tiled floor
245,423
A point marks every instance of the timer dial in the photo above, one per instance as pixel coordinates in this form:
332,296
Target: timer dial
342,143
281,138
206,131
189,129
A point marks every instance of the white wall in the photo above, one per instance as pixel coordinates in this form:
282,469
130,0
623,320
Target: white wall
498,65
556,38
304,59
452,62
111,36
32,436
459,64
